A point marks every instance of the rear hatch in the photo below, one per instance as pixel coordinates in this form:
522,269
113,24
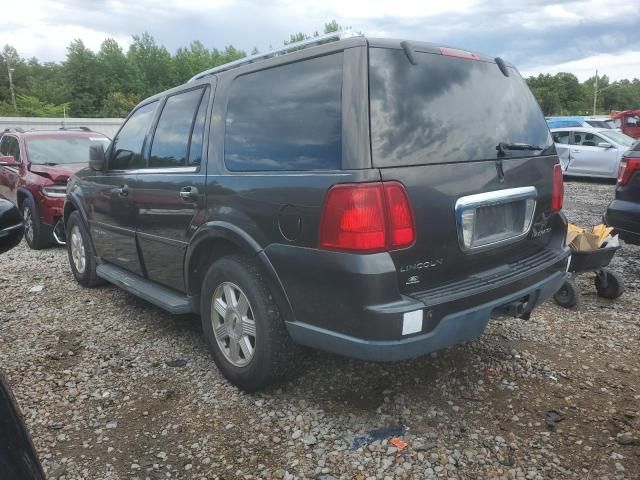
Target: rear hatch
456,129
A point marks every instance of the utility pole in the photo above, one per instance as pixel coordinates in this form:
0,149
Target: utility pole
595,94
13,93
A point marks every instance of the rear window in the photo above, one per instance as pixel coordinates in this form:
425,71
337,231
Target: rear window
447,109
286,118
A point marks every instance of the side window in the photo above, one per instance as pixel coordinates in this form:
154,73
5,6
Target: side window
126,148
561,137
4,145
578,137
10,146
197,137
591,140
286,118
171,139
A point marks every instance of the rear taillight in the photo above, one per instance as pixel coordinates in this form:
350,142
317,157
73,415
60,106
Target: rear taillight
367,217
558,189
628,166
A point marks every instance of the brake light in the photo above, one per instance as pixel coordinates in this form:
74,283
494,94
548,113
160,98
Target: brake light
628,166
367,217
557,197
454,52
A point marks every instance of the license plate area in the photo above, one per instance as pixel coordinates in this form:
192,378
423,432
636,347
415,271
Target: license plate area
490,219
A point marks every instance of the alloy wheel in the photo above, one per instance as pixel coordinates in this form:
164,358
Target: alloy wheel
77,250
234,325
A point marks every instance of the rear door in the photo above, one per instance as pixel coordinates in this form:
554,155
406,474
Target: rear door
170,191
438,119
109,194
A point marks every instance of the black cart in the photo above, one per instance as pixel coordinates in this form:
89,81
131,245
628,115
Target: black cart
608,283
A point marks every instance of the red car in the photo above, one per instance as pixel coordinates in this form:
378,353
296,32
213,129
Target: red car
34,169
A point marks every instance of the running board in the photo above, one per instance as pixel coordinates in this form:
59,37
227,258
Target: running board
163,297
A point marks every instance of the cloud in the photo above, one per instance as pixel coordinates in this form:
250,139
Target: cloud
617,66
547,34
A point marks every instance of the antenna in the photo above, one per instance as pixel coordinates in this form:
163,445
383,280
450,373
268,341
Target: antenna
310,42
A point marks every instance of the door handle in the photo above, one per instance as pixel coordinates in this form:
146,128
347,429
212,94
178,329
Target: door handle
123,191
189,194
575,151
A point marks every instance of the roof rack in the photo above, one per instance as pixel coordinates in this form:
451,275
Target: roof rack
310,42
84,129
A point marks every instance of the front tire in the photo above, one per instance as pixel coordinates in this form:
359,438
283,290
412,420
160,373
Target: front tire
81,257
242,325
33,231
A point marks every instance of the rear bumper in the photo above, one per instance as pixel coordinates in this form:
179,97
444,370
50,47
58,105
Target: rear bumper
351,304
452,329
624,216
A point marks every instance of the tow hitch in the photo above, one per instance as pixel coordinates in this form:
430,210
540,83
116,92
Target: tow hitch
518,309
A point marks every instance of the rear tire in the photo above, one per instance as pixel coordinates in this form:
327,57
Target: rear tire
82,259
568,296
242,325
614,284
33,231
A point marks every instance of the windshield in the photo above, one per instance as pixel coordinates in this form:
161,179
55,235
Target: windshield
54,151
446,109
618,137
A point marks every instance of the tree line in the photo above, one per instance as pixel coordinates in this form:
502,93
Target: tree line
110,82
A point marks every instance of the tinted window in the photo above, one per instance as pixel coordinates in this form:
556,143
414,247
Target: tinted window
10,146
171,139
287,118
197,137
126,150
62,150
447,109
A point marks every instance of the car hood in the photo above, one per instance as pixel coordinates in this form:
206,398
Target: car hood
57,173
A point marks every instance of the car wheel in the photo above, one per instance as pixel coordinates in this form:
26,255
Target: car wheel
242,325
33,233
81,257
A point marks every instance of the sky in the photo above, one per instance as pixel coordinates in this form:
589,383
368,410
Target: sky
578,36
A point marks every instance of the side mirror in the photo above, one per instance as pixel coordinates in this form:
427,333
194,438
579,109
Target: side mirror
97,157
605,145
8,161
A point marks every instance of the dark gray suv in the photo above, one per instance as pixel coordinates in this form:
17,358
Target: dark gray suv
379,199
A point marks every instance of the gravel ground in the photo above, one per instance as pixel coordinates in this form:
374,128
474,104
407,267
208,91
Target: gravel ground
113,388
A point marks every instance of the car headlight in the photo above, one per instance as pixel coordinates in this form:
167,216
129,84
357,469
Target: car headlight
55,191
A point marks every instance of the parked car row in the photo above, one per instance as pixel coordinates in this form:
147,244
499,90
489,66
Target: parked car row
336,195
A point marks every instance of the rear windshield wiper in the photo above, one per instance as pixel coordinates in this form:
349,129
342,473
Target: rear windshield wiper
504,147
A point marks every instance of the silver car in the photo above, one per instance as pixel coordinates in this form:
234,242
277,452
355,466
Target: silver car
590,152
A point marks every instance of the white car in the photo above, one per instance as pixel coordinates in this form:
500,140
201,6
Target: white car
590,152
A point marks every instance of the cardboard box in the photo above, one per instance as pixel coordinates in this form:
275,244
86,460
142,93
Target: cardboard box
585,242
